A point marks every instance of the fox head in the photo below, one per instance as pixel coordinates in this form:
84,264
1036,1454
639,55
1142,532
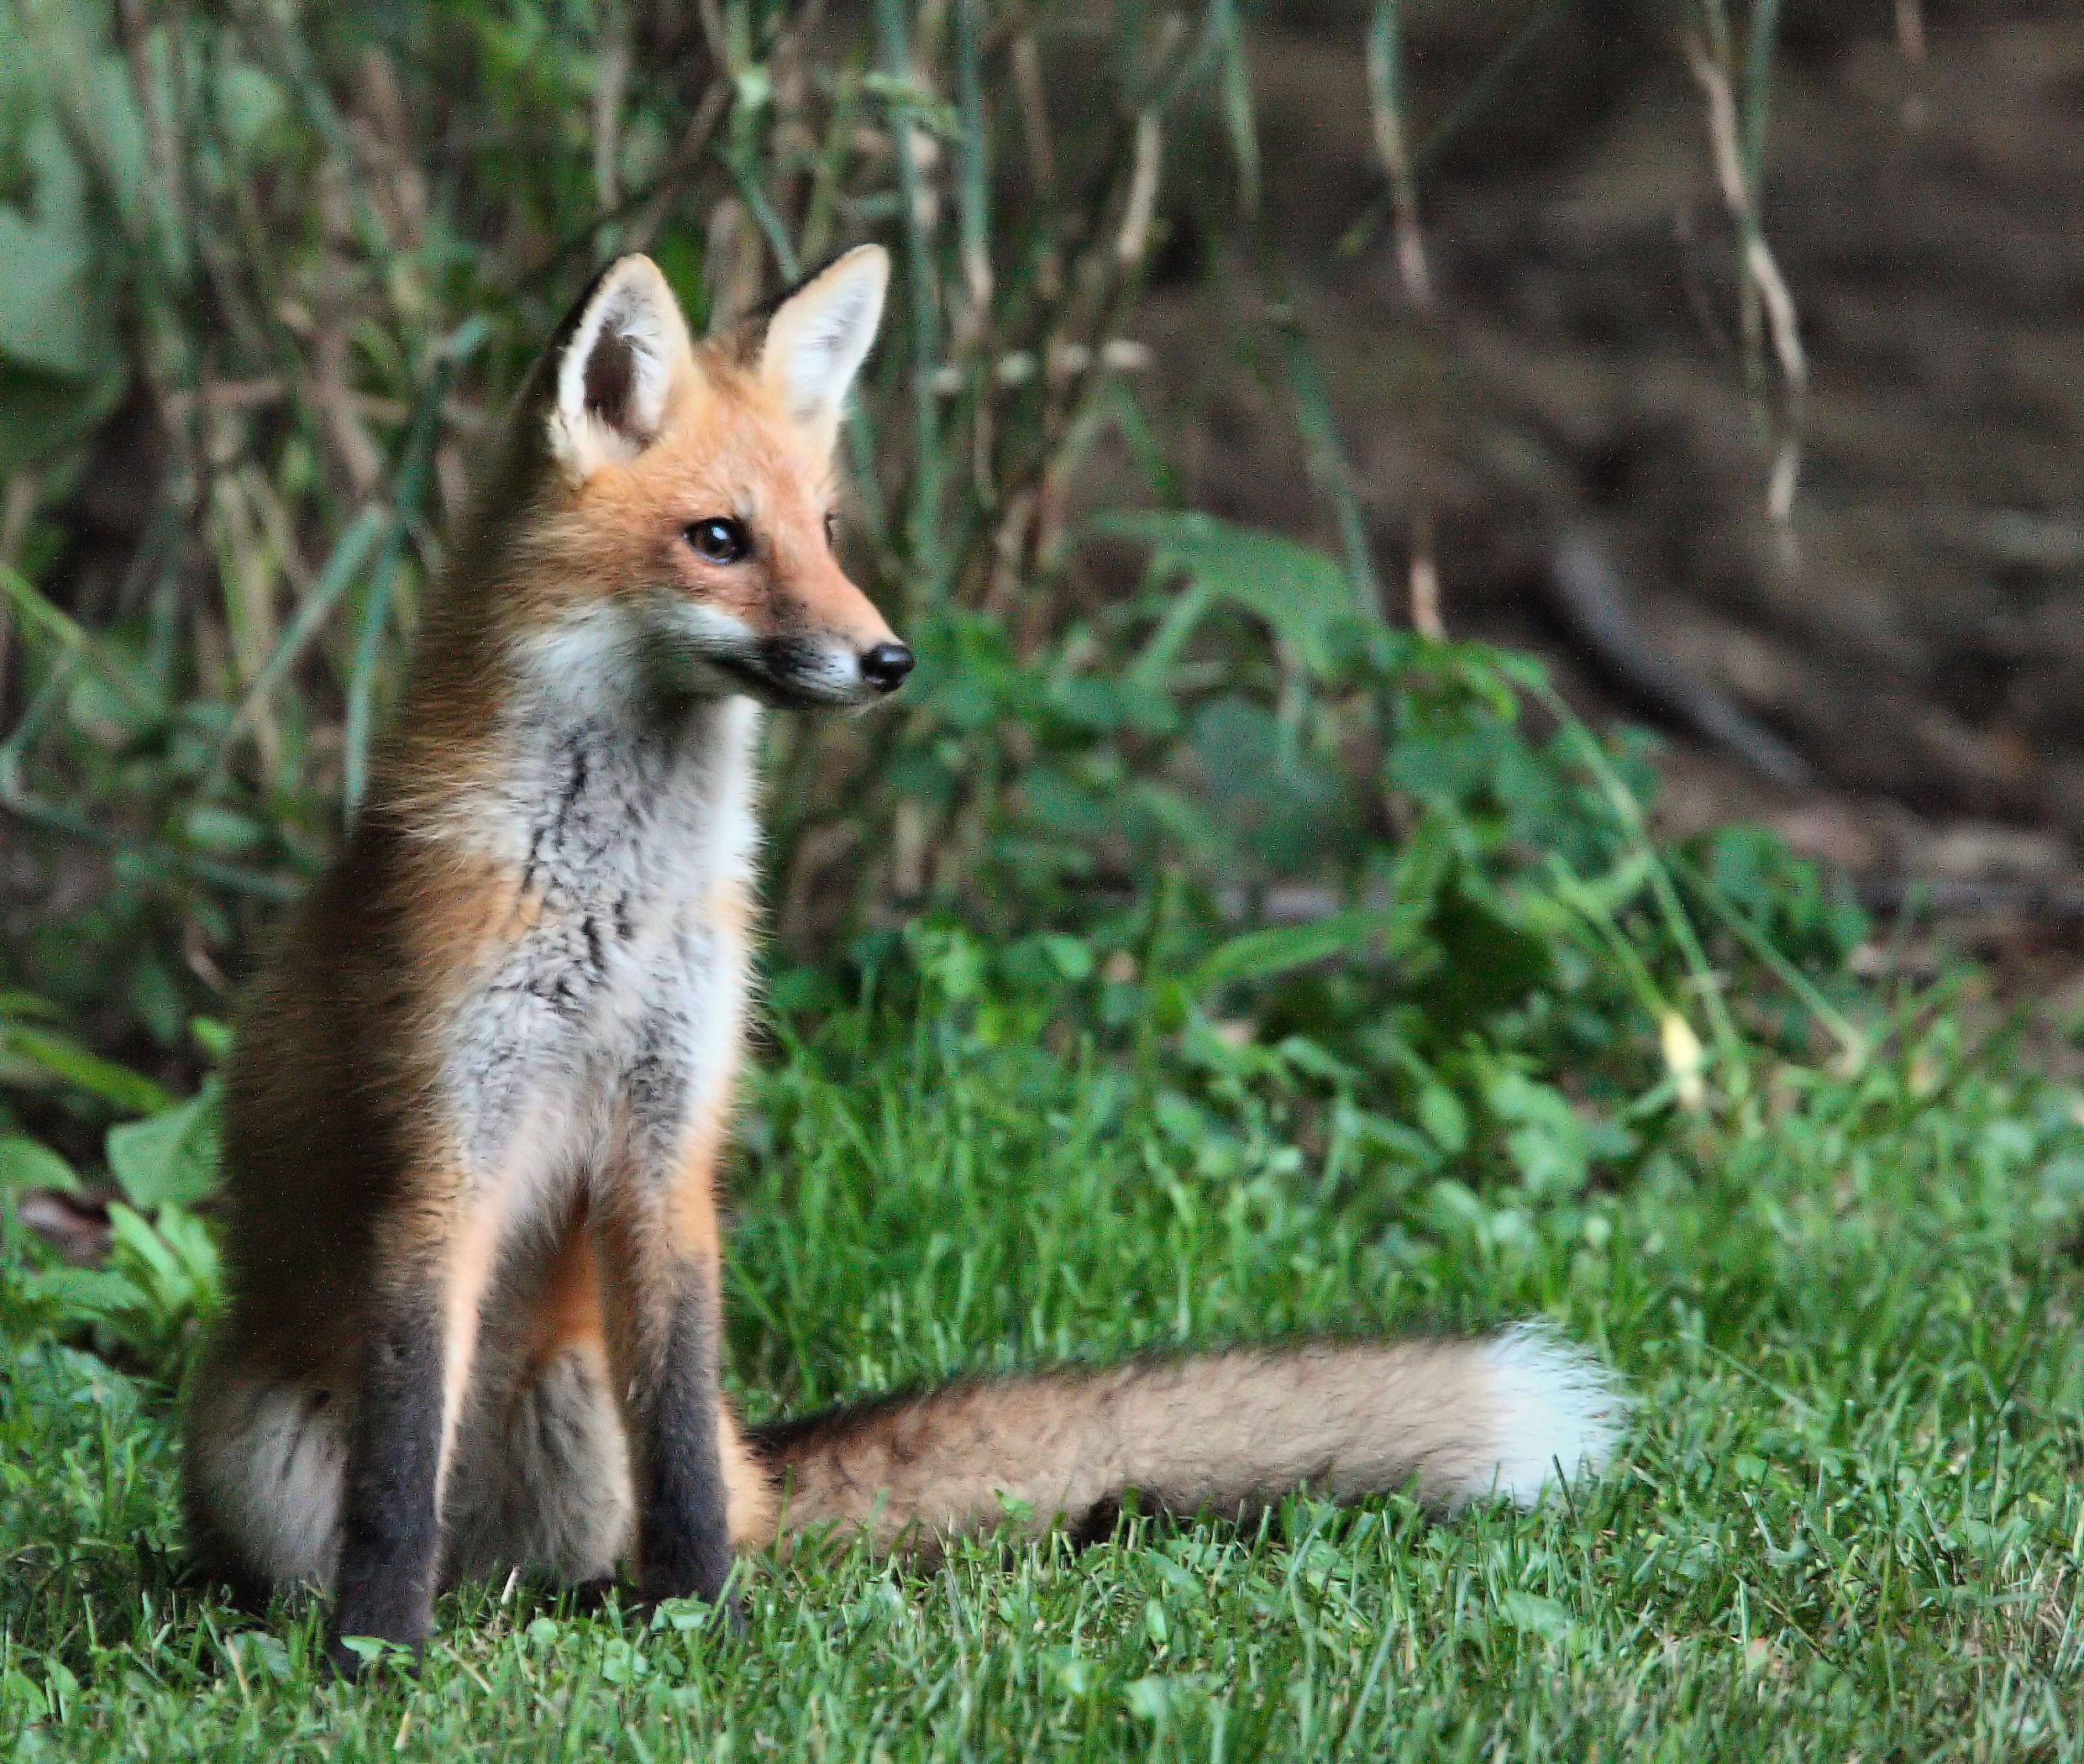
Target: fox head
683,516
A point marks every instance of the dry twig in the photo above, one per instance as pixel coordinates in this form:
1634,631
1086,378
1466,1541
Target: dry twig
1765,290
1385,79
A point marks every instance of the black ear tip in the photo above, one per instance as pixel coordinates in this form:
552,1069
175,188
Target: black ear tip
568,326
885,666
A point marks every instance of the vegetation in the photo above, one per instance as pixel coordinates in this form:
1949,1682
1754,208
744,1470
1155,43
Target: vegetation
1209,958
1847,1518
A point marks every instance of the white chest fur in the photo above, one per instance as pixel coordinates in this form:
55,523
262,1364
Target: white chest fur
613,1023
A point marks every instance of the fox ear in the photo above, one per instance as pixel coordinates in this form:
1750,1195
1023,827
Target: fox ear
625,348
820,335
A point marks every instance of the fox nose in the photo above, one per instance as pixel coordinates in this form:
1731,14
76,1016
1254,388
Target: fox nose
885,666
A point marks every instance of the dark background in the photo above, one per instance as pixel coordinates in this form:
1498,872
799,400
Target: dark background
229,291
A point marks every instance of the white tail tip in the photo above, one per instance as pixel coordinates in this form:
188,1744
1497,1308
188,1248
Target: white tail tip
1559,1412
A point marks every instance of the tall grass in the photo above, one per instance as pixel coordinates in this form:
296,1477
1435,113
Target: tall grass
318,245
291,259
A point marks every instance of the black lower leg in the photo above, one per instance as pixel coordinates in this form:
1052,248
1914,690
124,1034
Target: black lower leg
683,1532
390,1526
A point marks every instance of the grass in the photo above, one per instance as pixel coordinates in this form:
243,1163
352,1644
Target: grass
1846,1520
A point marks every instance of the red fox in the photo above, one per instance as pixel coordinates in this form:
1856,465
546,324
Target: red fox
481,1092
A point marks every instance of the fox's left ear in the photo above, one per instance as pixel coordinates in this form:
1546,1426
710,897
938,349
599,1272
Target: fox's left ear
820,335
625,348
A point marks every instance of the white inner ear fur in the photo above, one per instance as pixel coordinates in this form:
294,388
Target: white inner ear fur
618,370
820,336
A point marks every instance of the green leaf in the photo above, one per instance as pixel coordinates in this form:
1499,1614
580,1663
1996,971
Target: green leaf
212,827
25,1165
62,368
65,1059
171,1157
1299,593
1445,1121
1547,1143
1532,1614
1150,1697
43,414
1494,963
1258,955
47,321
89,1294
1278,804
1239,109
1072,958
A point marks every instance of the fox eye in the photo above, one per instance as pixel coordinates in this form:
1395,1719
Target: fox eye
719,540
831,529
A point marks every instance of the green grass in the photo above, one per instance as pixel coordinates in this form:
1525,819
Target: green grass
1846,1520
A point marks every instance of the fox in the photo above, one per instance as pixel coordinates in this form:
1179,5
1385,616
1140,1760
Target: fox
481,1094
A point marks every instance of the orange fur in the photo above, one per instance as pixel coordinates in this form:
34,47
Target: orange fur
567,1312
471,1261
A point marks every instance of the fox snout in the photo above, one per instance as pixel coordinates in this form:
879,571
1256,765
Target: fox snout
779,620
876,672
807,671
881,668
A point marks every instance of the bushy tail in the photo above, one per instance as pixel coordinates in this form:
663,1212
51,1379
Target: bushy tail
1227,1433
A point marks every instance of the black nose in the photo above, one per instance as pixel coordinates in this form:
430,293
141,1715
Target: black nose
885,666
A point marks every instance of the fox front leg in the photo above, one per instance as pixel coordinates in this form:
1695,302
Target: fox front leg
413,1367
660,1260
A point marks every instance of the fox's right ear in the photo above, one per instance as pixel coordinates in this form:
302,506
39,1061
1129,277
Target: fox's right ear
624,349
820,334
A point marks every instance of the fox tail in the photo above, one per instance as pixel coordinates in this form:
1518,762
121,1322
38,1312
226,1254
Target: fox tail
1457,1420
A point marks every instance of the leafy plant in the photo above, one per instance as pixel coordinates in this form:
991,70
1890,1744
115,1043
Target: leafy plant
157,1273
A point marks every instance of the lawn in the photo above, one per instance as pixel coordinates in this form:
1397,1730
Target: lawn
1845,1520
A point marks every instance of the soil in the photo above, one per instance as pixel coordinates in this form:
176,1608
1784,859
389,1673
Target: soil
1912,637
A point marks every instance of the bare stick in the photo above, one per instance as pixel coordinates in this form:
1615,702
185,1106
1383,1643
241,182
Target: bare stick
1763,283
1385,79
611,81
1027,83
